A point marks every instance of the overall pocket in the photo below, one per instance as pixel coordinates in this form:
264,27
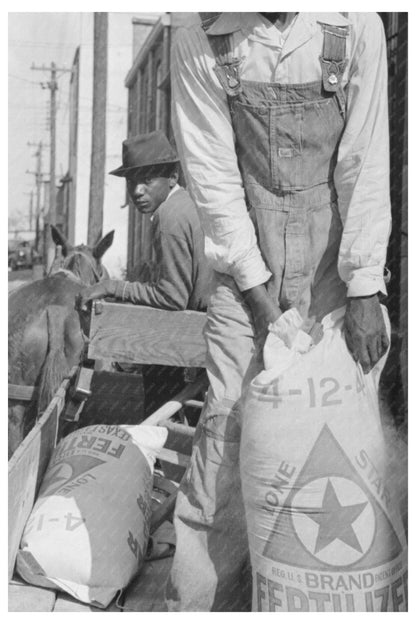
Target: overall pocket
288,146
286,158
321,130
251,127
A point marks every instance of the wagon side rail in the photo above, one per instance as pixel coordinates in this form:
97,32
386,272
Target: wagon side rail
28,465
143,335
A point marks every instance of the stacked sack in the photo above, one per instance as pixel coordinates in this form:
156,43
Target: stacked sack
324,526
88,531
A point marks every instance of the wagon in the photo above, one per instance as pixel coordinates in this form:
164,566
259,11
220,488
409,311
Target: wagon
135,335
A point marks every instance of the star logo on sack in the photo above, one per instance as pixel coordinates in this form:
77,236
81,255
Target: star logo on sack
335,521
331,520
66,471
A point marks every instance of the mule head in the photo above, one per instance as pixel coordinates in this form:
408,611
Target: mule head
84,261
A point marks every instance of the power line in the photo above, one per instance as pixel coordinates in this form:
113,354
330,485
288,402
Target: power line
115,108
44,44
52,85
23,79
16,43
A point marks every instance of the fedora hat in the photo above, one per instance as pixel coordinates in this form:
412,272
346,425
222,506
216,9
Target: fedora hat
145,150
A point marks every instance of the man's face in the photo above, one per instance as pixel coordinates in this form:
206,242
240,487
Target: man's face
148,191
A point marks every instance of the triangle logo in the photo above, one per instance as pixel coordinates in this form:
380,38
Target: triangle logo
331,520
66,471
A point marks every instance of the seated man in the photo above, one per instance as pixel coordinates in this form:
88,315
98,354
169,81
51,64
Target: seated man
150,166
181,276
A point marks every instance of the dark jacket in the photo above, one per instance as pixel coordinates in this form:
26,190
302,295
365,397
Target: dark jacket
181,279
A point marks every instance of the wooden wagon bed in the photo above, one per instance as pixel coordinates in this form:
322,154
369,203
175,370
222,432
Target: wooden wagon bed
145,593
121,333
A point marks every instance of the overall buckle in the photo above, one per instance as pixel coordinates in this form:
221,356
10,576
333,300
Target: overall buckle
229,76
332,72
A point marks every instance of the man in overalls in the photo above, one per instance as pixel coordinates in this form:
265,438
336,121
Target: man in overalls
281,123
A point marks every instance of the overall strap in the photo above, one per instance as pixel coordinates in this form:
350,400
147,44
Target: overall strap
334,61
227,66
208,19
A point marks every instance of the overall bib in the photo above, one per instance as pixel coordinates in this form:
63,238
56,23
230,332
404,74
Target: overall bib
287,137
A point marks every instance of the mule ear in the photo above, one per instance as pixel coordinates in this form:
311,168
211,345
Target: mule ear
59,239
102,245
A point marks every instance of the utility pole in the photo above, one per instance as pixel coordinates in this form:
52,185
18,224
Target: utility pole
30,210
39,177
97,175
52,85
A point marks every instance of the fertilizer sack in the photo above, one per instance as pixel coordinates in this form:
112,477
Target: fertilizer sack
88,531
325,531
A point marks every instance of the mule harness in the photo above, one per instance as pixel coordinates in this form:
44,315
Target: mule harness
18,392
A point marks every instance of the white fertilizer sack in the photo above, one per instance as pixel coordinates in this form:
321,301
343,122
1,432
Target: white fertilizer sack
324,526
88,531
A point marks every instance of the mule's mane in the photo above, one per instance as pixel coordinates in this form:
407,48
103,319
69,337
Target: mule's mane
82,265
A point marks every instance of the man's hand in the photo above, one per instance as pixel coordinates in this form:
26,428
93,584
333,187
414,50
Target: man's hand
365,331
263,309
97,291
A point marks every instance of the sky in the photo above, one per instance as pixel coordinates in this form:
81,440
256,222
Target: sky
37,39
40,38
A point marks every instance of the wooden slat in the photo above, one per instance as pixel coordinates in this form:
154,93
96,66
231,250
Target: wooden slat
171,407
27,467
131,333
172,457
180,438
26,598
178,428
65,603
195,404
177,462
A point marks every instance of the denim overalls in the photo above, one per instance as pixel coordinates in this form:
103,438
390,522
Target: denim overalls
287,137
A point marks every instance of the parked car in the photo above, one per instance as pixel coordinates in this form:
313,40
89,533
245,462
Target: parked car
20,255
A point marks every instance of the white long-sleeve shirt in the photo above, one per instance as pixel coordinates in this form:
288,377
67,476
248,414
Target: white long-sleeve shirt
205,138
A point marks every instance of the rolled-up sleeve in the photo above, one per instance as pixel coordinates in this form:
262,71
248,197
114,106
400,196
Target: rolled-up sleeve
362,171
205,142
